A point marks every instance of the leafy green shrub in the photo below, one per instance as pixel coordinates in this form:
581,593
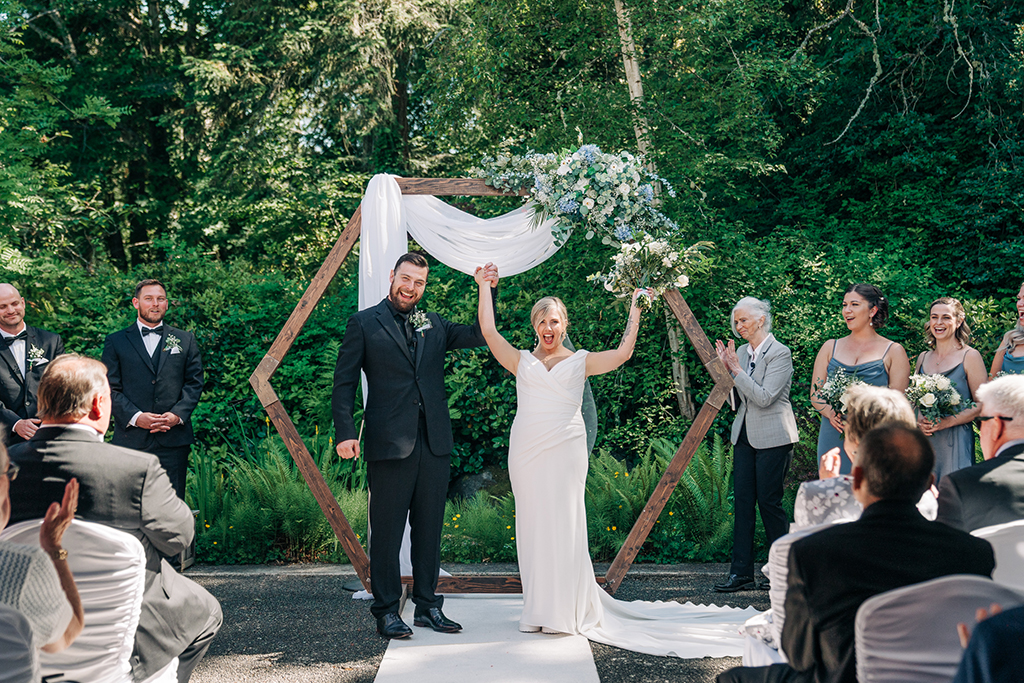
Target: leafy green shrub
480,529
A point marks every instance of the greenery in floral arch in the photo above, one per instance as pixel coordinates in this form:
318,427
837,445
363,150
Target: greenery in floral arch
611,194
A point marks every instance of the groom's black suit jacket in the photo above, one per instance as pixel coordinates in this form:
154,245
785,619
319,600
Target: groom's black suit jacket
174,383
17,393
399,385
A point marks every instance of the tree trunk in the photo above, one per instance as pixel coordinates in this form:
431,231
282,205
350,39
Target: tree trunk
643,143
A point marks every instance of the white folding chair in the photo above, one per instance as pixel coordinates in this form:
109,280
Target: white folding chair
109,566
908,635
18,662
778,574
1008,543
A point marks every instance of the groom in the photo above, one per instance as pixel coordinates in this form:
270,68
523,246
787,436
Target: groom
408,436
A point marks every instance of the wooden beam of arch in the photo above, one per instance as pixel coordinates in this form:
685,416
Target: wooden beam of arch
261,376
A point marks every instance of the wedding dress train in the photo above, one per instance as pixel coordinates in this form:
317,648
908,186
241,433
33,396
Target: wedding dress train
547,464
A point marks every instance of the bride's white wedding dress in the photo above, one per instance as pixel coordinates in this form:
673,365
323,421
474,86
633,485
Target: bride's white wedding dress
547,463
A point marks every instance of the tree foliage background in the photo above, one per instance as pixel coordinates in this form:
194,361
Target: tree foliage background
222,146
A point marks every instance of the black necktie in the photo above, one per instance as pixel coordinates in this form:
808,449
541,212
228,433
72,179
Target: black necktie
21,335
152,330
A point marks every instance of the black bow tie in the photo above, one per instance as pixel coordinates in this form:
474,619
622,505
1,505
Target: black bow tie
152,330
21,335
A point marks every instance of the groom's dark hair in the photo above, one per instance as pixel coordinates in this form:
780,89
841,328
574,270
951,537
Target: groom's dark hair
413,257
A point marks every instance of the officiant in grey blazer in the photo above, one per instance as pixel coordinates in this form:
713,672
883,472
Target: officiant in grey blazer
763,433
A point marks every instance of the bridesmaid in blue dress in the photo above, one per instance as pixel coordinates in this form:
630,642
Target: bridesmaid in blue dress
948,335
1010,354
873,358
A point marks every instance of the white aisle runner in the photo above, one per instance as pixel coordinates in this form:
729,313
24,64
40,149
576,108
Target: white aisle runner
490,649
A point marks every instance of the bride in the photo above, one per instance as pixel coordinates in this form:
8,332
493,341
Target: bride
547,463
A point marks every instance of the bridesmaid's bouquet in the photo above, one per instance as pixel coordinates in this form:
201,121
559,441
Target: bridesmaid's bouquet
935,397
833,390
651,263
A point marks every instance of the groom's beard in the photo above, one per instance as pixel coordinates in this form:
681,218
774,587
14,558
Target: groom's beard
402,306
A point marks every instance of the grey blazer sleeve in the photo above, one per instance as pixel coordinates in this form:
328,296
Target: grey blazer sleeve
951,509
166,520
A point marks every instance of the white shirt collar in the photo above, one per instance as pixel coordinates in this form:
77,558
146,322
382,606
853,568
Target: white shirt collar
1006,445
754,349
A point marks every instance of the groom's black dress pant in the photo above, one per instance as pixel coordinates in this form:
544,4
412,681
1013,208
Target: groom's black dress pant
417,485
758,478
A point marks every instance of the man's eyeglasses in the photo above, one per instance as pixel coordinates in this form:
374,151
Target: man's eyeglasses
12,471
1004,418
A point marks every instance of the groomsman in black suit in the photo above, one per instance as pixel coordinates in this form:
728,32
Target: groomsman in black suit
408,436
25,351
156,378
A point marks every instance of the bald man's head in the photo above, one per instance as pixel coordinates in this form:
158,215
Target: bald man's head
12,309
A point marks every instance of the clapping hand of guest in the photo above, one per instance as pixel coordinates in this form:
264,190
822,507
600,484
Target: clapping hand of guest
830,464
981,615
58,518
727,354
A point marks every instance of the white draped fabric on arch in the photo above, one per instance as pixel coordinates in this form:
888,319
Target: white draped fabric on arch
455,238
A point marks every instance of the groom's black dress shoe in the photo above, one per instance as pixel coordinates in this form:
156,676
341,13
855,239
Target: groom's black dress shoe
391,626
735,583
435,619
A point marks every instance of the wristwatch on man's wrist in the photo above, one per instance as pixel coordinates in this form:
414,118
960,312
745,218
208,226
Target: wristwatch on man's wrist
58,554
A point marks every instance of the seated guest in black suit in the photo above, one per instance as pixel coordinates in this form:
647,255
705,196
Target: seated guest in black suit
832,572
993,653
992,492
125,489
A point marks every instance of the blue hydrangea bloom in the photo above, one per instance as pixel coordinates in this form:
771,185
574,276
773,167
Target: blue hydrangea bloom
646,191
623,232
567,204
589,153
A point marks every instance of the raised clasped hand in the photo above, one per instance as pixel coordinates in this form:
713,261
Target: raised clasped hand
486,273
58,518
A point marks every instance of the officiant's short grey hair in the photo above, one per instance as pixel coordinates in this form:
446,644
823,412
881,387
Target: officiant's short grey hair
758,307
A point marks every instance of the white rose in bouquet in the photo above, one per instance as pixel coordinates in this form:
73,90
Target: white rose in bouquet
954,398
928,400
942,383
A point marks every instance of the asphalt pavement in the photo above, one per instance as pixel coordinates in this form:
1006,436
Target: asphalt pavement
297,623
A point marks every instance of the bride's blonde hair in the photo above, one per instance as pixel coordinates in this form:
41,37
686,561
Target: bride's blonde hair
546,304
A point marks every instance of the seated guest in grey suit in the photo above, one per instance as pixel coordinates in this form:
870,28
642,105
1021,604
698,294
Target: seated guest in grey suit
832,572
763,433
992,492
124,489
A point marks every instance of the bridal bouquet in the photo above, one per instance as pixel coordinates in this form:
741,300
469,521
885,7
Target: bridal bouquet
833,390
935,397
608,194
655,264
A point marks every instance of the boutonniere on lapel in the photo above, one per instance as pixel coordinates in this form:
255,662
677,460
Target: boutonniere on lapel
419,321
36,356
172,344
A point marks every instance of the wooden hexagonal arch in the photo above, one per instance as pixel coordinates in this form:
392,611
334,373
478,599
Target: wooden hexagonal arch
261,376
